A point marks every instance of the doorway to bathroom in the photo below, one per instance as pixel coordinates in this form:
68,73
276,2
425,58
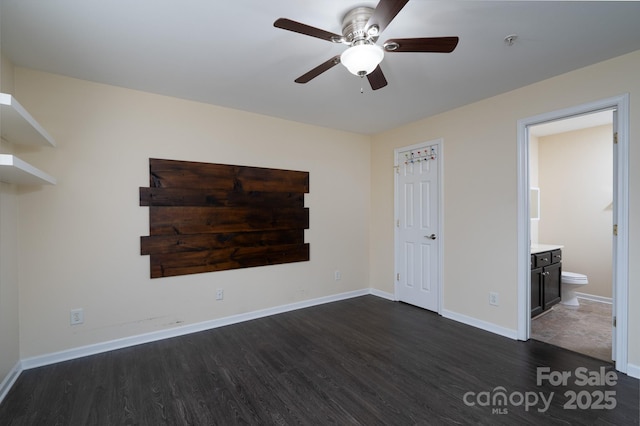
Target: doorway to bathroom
616,207
571,176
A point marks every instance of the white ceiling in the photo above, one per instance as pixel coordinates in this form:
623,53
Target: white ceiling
228,53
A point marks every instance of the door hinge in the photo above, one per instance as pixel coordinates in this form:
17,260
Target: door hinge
398,223
615,137
615,230
398,276
614,321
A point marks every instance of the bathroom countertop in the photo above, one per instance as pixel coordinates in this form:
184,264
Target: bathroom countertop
539,248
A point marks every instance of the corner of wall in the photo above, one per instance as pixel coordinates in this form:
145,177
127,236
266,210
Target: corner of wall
9,287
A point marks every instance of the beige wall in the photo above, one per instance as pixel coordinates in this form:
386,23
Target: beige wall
480,190
9,293
80,239
576,191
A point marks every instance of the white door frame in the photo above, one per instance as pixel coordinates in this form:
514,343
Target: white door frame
621,218
440,227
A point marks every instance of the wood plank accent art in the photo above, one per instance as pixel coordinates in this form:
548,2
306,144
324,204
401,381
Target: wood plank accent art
211,217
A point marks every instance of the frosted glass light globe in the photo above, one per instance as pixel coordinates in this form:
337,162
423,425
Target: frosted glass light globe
362,59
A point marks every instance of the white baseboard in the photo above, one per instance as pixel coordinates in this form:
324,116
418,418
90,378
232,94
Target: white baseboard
633,371
484,325
10,379
594,298
383,294
73,353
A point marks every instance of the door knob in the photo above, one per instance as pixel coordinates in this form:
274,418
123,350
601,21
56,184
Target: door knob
431,237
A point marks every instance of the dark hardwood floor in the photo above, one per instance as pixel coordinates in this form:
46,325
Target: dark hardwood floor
362,361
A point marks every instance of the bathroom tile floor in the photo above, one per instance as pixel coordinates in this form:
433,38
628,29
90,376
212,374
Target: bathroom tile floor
585,328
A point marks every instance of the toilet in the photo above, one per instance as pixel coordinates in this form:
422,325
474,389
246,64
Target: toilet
571,282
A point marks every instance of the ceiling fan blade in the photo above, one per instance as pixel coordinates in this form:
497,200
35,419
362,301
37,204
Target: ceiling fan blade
427,44
297,27
305,78
376,78
384,13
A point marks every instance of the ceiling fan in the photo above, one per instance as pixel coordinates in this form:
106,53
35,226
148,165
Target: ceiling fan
361,28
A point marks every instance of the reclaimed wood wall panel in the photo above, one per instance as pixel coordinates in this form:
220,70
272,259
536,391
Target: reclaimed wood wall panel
160,244
205,220
217,198
210,217
194,262
187,174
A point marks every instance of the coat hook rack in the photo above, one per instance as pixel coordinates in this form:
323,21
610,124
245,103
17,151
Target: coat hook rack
419,156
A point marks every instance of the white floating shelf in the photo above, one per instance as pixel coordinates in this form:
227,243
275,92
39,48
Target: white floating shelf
14,170
19,127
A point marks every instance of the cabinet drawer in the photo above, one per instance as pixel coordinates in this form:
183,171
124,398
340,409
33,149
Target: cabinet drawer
556,256
543,259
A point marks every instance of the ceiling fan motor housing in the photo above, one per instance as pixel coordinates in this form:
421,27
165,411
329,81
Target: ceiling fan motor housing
354,26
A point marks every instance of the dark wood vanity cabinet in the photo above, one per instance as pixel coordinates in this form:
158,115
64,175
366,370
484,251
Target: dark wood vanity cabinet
546,277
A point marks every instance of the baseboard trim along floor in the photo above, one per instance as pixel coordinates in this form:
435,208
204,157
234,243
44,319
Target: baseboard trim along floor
79,352
69,354
11,378
363,360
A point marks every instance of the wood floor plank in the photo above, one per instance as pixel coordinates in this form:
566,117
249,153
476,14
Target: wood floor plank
365,361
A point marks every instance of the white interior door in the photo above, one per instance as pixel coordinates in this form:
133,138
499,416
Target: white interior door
418,225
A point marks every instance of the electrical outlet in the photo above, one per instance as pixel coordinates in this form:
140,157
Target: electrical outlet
219,294
493,298
337,275
77,316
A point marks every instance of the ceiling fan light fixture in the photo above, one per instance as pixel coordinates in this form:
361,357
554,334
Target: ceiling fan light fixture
362,59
